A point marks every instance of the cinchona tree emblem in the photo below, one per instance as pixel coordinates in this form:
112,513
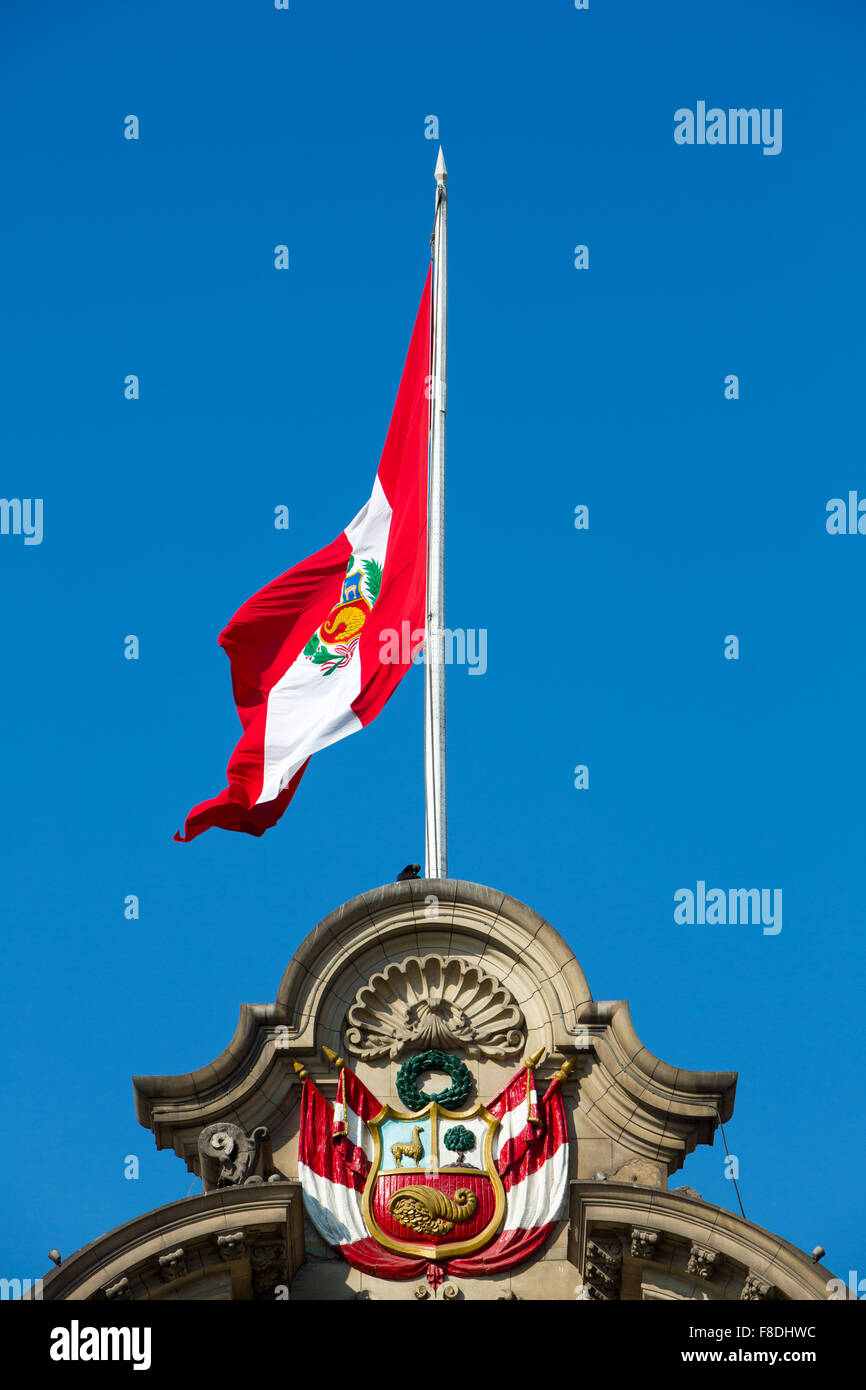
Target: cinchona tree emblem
460,1140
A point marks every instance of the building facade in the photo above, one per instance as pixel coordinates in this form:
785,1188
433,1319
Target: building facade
401,993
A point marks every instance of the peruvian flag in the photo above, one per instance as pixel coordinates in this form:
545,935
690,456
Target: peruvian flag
305,650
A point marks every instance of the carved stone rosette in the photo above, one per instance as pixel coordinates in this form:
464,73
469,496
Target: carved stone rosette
434,1002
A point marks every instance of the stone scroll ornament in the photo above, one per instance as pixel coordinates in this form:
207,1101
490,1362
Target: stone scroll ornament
431,1001
431,1190
231,1158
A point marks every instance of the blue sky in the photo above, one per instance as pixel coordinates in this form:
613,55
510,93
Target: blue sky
602,387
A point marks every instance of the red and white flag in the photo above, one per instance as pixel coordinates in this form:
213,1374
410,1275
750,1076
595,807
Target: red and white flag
304,651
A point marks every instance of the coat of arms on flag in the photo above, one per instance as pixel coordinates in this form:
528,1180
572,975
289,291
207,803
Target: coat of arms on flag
432,1189
333,644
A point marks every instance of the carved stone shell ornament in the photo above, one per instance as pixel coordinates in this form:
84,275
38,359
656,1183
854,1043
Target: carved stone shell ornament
432,1002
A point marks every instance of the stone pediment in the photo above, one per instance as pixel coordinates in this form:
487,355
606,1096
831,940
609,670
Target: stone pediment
446,964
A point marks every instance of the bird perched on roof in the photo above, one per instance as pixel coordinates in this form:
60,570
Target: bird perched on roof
410,871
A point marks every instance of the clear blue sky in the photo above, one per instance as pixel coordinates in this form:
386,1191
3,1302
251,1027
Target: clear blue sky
605,647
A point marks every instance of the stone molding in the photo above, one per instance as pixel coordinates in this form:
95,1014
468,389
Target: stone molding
484,927
665,1111
701,1246
251,1235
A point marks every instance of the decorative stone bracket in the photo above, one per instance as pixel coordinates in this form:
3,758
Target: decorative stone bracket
633,1242
755,1289
702,1261
602,1270
173,1265
644,1244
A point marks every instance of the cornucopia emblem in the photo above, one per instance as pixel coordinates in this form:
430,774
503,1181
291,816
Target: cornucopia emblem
430,1212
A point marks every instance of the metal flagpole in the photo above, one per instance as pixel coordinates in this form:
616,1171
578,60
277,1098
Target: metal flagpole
434,640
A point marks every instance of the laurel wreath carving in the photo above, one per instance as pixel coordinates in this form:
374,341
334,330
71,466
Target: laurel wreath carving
452,1097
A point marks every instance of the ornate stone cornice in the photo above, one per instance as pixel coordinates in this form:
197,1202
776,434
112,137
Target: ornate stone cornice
503,937
253,1082
665,1111
695,1242
253,1234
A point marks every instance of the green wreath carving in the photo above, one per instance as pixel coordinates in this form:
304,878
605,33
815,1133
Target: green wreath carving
451,1098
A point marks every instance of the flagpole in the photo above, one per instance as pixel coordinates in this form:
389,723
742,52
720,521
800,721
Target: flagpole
434,641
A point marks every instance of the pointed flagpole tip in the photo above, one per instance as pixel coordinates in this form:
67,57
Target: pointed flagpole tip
441,173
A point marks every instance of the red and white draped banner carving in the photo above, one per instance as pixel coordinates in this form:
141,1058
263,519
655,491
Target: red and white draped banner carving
530,1152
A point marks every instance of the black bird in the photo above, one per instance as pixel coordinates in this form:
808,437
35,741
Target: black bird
410,871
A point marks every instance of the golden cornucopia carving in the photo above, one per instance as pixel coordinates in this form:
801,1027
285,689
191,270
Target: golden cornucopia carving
430,1212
